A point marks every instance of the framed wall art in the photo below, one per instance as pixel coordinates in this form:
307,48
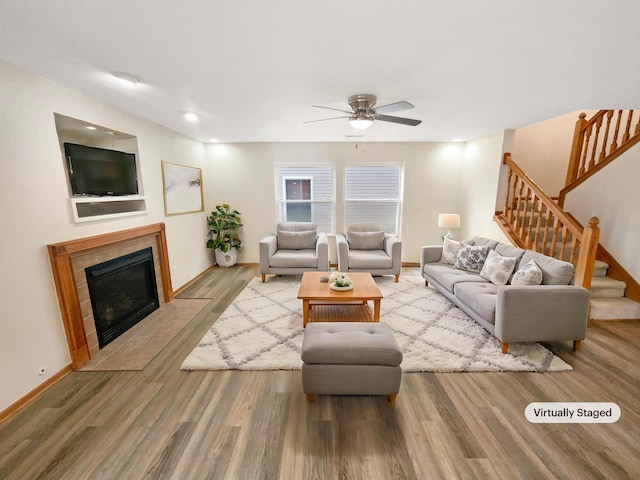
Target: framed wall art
182,189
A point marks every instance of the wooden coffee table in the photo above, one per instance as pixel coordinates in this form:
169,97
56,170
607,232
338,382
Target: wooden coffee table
321,304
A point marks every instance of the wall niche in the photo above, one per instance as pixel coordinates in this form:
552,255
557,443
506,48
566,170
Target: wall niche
92,207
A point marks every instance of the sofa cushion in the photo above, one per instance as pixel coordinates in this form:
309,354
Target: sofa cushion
450,249
507,250
528,274
350,343
554,271
485,242
471,257
294,259
365,240
497,269
372,259
448,276
301,240
479,297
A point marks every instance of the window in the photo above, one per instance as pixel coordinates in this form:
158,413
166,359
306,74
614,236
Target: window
298,189
372,195
305,194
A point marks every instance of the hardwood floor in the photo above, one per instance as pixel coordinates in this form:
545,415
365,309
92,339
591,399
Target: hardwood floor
164,423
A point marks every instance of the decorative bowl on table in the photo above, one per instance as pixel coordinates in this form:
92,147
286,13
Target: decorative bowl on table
340,282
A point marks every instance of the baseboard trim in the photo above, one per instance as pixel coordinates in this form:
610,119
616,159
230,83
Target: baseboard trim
192,281
199,276
35,393
253,264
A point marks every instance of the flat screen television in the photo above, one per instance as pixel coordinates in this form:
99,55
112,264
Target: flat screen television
102,172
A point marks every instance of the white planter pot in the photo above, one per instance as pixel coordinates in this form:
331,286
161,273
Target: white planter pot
226,259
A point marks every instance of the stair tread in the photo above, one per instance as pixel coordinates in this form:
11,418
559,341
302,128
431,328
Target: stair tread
600,268
600,264
621,308
606,282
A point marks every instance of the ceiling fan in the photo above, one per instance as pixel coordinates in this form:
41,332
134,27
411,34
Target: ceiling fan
364,112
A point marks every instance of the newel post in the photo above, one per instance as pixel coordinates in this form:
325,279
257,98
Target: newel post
576,149
587,256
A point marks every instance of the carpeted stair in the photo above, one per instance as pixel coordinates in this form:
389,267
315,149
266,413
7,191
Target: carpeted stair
607,297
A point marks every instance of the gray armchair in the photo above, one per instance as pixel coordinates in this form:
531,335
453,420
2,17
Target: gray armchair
294,249
365,247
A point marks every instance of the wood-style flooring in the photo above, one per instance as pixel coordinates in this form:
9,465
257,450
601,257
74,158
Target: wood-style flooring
164,423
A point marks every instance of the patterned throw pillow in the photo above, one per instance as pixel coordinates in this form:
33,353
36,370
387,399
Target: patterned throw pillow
528,274
450,250
497,269
471,258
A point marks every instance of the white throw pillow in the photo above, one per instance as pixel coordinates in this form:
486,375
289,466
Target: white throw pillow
528,274
497,269
450,250
471,258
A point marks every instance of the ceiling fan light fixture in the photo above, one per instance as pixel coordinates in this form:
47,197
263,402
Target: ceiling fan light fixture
360,123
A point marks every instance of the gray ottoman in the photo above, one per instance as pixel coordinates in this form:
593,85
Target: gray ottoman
350,358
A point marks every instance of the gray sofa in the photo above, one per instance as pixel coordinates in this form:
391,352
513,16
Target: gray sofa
508,307
295,248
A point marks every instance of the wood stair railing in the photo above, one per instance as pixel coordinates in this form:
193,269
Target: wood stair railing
597,142
532,220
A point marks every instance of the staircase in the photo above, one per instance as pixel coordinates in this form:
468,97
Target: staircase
532,220
608,301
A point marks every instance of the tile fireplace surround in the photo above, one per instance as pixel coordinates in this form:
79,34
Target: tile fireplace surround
74,255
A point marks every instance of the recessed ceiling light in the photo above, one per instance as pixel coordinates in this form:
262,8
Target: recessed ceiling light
191,117
214,140
89,127
127,78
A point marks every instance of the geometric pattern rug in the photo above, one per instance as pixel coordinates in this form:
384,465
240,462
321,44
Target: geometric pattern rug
262,330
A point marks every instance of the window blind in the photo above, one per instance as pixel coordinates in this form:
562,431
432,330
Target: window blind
372,195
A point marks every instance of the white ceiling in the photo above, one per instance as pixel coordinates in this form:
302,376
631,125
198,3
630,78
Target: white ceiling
252,69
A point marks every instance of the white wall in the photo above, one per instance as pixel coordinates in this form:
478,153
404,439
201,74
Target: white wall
36,212
480,177
242,175
613,196
542,150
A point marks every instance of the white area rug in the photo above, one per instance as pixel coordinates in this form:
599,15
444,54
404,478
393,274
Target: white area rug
262,330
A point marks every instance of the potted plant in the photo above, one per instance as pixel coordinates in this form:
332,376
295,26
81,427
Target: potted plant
223,238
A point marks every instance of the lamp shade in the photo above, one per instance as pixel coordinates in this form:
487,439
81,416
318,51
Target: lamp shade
449,220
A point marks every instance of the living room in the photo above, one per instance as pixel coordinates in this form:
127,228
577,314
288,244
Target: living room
439,176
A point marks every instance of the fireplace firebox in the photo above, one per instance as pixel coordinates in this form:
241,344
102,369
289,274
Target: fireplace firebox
123,291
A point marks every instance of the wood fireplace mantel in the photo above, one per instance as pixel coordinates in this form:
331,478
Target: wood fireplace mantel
60,255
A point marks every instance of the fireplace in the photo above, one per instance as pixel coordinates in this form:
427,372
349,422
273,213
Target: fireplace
123,291
68,263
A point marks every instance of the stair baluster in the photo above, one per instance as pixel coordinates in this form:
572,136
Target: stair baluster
588,140
529,211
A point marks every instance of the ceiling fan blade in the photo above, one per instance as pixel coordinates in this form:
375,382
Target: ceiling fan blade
393,107
336,109
400,120
324,119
